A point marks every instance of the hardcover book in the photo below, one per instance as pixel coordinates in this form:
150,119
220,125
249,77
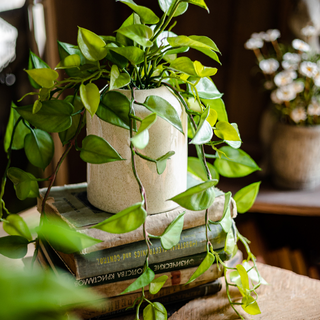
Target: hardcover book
70,205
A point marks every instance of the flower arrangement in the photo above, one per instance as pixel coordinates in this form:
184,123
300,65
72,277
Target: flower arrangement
292,74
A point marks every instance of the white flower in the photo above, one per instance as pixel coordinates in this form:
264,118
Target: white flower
272,35
298,86
292,57
253,44
309,31
285,77
313,108
286,93
259,35
298,114
269,66
316,79
308,68
287,65
274,97
300,45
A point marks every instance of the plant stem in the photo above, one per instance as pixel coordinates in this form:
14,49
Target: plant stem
4,178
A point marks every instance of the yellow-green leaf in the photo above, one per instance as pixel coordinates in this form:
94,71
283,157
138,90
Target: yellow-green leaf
44,77
90,97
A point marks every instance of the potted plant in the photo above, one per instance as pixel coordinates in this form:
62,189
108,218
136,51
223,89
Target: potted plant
291,74
136,93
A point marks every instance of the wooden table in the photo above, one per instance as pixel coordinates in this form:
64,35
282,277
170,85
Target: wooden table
288,296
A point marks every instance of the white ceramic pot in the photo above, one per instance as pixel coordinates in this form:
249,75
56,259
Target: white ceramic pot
295,157
112,187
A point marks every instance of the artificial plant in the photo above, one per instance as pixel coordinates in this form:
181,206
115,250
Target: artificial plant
144,53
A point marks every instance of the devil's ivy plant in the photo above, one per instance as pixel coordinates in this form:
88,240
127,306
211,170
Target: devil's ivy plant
144,53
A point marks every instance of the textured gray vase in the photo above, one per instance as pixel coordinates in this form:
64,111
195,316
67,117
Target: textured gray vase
295,157
112,187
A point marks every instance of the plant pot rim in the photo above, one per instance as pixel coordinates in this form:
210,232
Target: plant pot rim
298,127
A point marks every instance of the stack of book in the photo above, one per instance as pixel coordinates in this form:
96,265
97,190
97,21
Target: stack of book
110,266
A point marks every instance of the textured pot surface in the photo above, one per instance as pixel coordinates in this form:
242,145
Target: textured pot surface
112,187
295,157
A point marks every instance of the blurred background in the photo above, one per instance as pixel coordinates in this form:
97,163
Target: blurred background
37,25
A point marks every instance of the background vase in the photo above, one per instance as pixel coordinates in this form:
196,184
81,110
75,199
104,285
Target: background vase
295,156
112,187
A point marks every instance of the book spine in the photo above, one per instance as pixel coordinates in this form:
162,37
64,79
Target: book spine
116,306
192,241
175,278
166,266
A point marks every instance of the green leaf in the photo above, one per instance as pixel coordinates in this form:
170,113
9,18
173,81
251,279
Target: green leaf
250,306
155,311
203,267
226,131
212,117
16,226
134,54
184,65
37,105
164,110
72,61
226,221
141,139
157,283
139,33
63,238
218,106
91,45
161,162
121,39
38,294
35,63
200,43
167,5
25,183
235,163
90,97
197,198
116,58
114,108
171,236
96,150
203,71
67,135
204,131
20,132
230,244
65,50
14,247
54,116
252,273
246,196
142,281
196,170
205,87
147,16
199,3
124,221
192,42
44,77
232,143
39,148
117,79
